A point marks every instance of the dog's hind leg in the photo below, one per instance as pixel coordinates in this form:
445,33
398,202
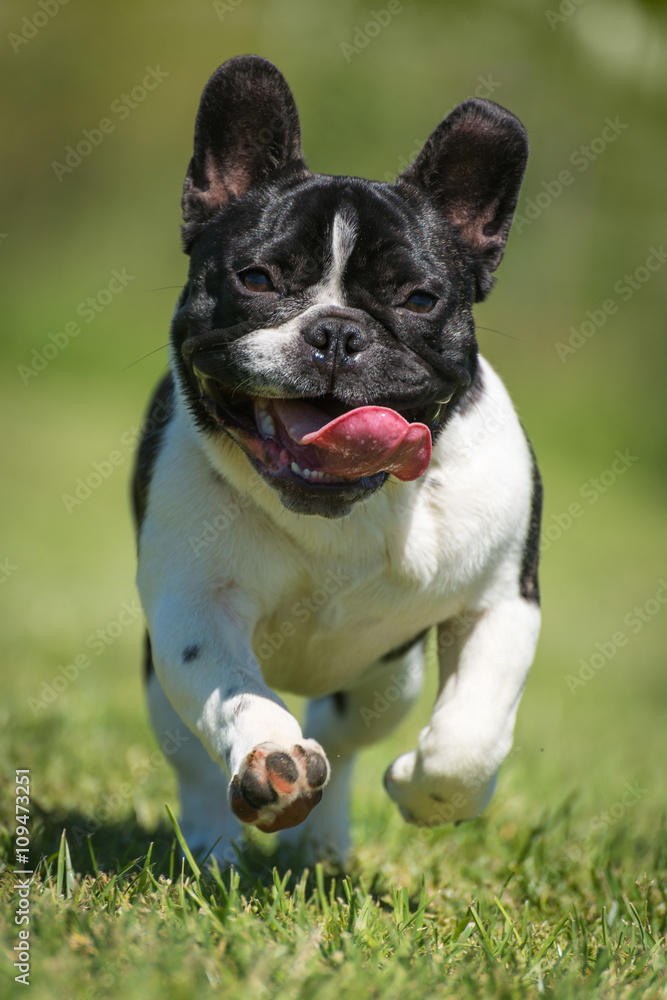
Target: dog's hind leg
344,723
205,816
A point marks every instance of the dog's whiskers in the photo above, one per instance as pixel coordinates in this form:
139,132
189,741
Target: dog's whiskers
237,388
132,363
501,332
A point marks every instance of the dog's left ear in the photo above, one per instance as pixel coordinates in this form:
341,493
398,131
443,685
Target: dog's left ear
247,132
472,166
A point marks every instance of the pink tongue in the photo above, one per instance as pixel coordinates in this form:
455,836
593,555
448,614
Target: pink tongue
361,442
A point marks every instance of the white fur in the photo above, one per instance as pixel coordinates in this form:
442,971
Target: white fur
343,237
309,605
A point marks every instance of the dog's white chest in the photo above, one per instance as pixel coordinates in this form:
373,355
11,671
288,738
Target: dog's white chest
319,639
328,624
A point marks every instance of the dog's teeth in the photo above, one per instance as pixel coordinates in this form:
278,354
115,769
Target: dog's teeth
304,473
267,425
265,421
314,476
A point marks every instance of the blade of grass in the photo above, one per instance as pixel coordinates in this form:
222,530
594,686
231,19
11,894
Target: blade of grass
321,894
486,941
508,919
93,859
545,947
65,881
184,847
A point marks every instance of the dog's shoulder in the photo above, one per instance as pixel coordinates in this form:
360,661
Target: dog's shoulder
158,415
483,455
481,497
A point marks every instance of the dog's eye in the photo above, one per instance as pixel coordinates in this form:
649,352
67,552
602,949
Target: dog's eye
419,302
257,281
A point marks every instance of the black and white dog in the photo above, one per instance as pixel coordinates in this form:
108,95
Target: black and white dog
338,470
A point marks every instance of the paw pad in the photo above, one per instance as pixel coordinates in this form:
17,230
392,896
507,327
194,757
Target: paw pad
275,789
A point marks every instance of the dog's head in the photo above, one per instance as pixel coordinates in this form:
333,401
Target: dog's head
326,326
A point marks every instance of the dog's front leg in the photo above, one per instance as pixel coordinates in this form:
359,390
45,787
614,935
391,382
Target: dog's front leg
205,664
484,657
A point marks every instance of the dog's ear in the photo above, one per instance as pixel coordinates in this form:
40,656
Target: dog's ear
247,130
472,166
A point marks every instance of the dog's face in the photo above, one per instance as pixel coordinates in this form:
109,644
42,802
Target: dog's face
326,326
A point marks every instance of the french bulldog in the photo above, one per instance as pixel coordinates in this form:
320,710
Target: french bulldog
329,471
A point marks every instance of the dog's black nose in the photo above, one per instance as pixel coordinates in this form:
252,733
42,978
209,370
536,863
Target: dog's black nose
335,337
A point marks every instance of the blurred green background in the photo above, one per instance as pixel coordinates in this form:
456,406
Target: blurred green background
369,94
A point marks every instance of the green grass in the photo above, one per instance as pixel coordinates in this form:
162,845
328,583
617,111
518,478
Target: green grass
495,908
559,889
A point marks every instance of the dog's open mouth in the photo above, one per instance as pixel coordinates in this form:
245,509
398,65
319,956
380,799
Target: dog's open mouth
321,441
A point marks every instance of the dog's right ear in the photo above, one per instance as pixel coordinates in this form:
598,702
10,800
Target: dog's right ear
247,131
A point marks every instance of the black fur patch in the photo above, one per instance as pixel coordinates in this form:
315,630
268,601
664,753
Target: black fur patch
148,657
340,701
158,416
528,581
190,653
471,397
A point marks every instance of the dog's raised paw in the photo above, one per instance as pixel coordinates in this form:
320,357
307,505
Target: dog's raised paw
275,788
426,797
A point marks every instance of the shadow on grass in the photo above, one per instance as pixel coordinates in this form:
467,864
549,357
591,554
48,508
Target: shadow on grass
116,846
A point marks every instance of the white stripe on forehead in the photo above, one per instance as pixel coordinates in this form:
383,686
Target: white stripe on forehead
343,237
